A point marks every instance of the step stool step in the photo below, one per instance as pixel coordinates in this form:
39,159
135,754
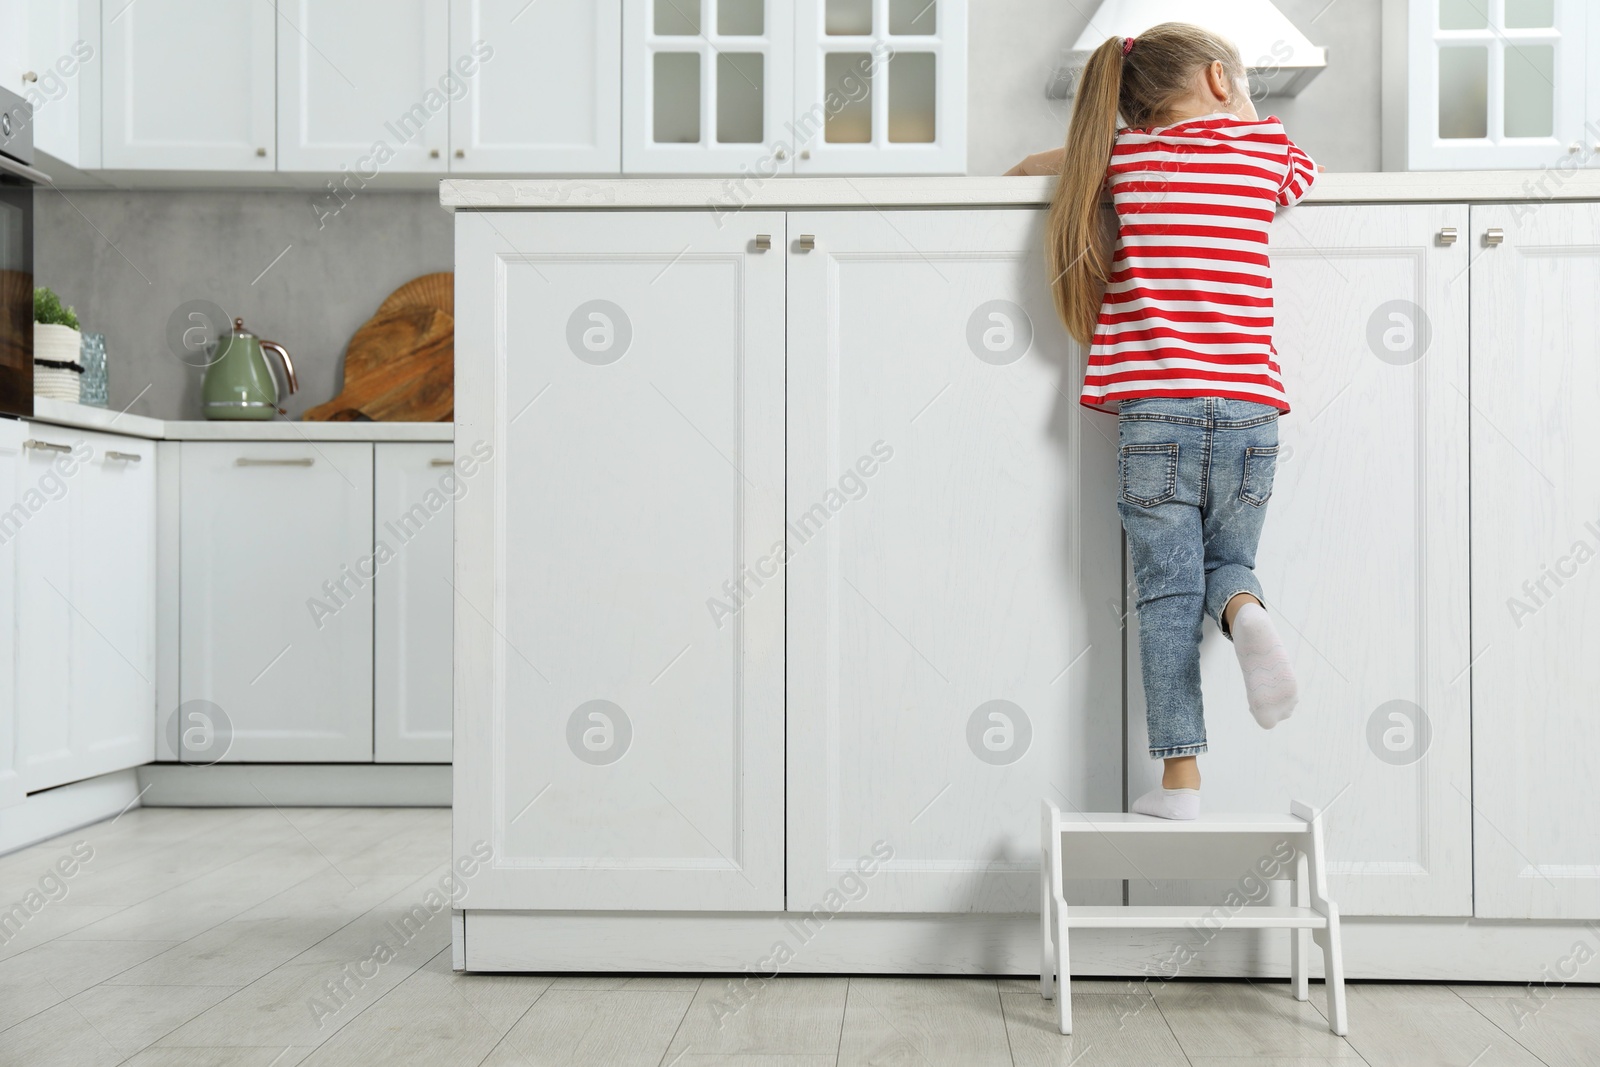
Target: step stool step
1120,822
1209,916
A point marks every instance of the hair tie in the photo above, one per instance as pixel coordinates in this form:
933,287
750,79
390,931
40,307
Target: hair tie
1127,45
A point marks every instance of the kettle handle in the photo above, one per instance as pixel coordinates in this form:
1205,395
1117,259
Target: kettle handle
288,364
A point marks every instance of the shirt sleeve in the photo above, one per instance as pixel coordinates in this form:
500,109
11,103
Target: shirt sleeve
1301,176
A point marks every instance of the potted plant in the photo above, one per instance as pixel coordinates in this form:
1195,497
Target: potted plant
57,346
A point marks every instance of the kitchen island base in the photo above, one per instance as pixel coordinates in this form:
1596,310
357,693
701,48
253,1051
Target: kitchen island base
1543,955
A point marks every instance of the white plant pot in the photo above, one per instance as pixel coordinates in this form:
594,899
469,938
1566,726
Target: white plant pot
61,344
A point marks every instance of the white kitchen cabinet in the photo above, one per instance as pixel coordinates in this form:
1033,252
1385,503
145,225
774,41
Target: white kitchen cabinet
624,747
1489,86
276,597
1364,564
564,53
414,490
12,434
357,74
707,87
190,86
50,56
1535,540
880,87
86,605
954,563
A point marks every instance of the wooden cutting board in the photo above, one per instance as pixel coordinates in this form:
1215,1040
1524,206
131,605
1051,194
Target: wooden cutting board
400,365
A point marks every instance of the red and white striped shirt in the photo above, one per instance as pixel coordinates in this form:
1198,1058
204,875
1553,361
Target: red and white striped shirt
1188,304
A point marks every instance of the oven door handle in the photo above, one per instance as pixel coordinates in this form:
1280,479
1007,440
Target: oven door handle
22,170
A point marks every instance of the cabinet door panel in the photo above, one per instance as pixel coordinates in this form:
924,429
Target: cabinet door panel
619,743
880,88
277,569
344,85
415,487
12,434
45,753
954,571
1363,561
86,606
189,86
565,52
1535,537
113,602
705,92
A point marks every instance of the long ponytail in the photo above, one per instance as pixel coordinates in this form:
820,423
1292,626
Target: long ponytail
1079,247
1141,86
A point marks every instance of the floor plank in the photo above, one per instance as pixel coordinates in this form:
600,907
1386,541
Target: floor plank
933,1021
594,1028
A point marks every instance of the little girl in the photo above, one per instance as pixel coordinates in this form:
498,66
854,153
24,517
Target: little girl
1176,310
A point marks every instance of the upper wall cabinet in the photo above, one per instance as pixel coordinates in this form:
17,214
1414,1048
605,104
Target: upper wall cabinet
880,87
50,56
190,86
708,86
1486,85
546,97
364,84
831,87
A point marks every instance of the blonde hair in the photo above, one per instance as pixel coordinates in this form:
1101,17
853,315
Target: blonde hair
1141,86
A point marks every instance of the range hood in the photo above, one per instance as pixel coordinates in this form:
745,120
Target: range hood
1281,60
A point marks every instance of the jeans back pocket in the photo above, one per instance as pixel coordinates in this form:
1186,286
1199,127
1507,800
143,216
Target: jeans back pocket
1149,473
1260,464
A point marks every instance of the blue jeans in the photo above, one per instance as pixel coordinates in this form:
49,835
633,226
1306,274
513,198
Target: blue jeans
1196,473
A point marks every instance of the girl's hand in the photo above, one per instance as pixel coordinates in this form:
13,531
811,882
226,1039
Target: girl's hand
1320,167
1040,163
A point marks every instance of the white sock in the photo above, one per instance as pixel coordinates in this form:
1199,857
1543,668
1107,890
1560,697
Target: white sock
1268,676
1169,803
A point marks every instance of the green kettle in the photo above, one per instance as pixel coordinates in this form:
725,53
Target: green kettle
238,382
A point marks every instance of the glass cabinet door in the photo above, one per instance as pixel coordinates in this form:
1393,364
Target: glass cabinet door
880,87
1496,85
709,86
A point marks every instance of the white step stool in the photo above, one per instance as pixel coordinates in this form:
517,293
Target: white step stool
1225,847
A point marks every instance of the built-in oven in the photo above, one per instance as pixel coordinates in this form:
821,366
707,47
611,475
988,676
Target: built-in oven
18,180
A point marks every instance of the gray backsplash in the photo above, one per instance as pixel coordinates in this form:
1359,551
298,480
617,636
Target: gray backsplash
127,261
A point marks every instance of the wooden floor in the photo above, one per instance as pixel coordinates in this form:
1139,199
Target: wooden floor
215,937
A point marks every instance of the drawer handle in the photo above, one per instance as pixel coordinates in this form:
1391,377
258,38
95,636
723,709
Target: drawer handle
807,242
1495,236
127,457
247,461
46,446
441,463
1447,236
763,242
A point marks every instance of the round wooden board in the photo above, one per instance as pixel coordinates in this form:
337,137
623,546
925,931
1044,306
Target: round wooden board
399,367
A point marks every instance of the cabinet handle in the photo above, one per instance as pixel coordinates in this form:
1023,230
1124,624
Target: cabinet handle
461,154
261,152
1495,236
441,463
781,154
46,446
127,457
1447,236
763,242
247,461
433,153
807,242
29,76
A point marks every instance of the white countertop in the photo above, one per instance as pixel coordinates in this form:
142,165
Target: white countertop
726,194
83,417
